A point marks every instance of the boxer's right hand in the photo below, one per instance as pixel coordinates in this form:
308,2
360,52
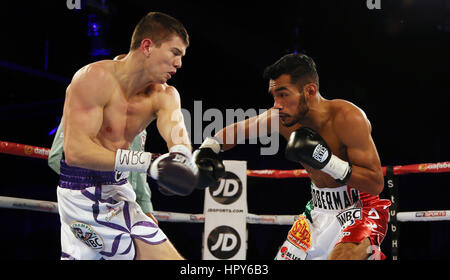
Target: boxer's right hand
307,146
175,171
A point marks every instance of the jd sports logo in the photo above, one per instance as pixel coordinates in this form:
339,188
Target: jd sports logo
224,242
228,190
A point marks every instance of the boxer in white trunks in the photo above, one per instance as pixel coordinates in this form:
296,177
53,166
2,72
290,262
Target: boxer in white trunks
345,218
137,180
107,104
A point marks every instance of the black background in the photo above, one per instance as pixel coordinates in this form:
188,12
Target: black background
392,63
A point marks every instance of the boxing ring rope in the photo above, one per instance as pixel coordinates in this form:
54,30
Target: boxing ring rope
440,167
161,216
388,172
52,207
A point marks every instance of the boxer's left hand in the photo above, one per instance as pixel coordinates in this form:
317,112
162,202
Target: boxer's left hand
175,171
306,146
210,166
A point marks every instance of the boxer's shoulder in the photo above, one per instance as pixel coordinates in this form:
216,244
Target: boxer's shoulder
346,115
165,94
95,79
343,110
96,75
100,69
340,106
169,91
163,89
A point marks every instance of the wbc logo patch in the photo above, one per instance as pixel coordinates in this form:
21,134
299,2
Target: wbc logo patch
348,217
86,234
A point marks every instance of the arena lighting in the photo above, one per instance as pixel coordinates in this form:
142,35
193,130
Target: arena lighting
296,37
53,131
94,27
97,31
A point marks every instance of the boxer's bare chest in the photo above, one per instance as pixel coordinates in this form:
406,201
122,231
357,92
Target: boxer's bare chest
124,118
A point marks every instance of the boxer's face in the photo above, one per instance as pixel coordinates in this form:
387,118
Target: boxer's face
164,60
290,102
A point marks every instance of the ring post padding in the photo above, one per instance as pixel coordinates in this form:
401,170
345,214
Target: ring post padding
392,185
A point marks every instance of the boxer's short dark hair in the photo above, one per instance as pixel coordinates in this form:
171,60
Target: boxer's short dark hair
300,67
159,27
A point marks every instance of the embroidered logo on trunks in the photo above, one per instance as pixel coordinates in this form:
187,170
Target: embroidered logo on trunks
286,255
348,217
112,212
299,235
87,235
119,175
334,200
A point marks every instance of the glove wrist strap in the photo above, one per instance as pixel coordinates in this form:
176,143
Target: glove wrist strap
211,143
337,168
134,161
182,149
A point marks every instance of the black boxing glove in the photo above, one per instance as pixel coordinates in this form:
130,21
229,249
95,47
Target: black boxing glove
175,171
306,146
210,166
161,189
165,192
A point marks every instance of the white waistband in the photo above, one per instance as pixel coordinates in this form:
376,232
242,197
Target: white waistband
334,200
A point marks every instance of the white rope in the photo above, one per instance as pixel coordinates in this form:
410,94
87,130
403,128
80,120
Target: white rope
161,216
271,219
28,204
178,217
424,216
200,218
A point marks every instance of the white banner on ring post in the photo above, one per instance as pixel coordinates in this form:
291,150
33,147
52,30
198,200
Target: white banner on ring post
225,210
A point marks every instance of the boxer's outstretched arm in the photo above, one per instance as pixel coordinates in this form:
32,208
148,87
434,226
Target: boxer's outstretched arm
86,97
170,121
228,135
354,130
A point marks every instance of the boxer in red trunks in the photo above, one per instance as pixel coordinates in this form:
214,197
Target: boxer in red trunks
332,140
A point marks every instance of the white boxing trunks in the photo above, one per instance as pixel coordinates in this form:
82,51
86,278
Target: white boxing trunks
100,216
336,215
